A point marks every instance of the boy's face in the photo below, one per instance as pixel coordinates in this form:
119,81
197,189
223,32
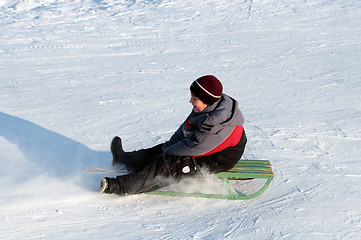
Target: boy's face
198,105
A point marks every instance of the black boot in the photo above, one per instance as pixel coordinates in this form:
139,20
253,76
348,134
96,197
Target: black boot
117,151
109,185
103,185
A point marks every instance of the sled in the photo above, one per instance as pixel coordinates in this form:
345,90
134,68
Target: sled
243,170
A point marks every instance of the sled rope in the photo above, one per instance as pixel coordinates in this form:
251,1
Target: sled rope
101,170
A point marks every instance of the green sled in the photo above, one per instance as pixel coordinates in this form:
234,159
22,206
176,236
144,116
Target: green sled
243,170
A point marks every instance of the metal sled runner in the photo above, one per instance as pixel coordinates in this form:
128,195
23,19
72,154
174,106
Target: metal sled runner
243,170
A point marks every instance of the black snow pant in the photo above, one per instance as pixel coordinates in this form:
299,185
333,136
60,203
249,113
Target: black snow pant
149,171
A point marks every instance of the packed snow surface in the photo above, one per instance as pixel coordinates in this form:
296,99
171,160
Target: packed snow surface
76,73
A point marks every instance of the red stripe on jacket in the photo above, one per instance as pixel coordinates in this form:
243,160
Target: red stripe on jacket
231,141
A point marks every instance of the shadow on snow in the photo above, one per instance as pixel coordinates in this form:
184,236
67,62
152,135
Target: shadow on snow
58,155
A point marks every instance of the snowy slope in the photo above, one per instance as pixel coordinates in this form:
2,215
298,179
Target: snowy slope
75,73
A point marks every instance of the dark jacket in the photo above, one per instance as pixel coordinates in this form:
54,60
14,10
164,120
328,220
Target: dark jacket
217,127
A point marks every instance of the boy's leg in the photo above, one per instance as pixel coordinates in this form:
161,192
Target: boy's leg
134,161
155,175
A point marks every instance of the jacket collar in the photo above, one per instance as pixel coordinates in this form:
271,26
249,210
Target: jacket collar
213,106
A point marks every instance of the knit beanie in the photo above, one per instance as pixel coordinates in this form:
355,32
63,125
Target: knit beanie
208,89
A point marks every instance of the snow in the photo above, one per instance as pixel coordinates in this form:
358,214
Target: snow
74,74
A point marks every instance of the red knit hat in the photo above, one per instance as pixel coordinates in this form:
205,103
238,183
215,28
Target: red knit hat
208,89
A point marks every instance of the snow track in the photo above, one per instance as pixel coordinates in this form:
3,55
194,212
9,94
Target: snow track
73,74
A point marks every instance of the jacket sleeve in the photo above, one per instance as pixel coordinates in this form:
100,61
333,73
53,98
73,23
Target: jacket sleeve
189,146
177,136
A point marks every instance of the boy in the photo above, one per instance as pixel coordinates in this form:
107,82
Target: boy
211,138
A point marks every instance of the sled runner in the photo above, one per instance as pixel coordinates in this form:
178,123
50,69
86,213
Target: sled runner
243,170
